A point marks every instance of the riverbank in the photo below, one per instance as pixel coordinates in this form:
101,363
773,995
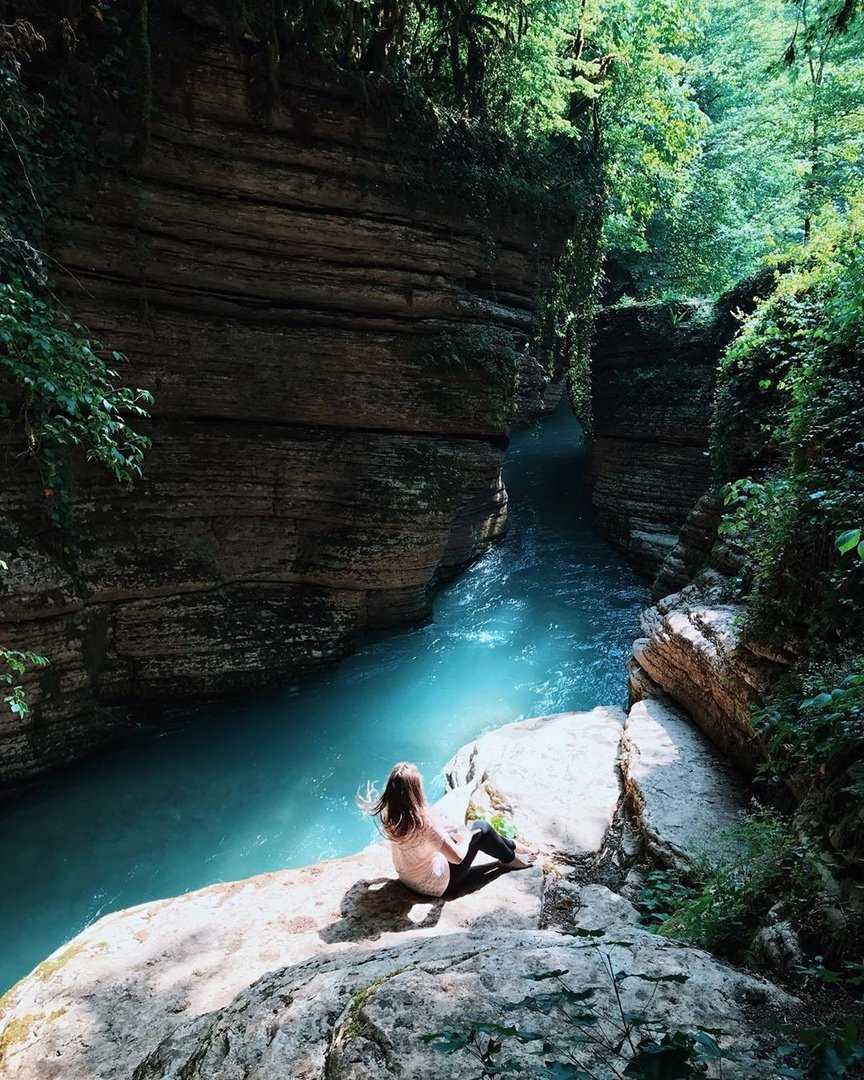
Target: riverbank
181,987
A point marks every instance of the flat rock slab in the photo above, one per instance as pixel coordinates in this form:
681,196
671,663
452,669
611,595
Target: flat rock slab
97,1005
684,794
123,984
555,776
402,1011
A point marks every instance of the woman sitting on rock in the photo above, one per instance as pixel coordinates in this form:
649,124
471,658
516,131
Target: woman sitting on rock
429,858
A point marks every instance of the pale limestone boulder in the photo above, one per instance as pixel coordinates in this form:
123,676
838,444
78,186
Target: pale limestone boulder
682,792
554,776
123,984
376,1014
601,909
97,1005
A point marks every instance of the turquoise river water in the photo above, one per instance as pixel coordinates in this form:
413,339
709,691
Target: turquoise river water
543,623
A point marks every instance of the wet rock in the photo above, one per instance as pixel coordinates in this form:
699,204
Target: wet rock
682,792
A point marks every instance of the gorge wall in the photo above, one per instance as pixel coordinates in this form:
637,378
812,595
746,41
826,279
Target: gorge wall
653,371
653,367
336,355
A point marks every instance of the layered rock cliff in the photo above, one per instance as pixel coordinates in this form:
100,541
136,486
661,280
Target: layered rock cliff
652,386
336,353
653,375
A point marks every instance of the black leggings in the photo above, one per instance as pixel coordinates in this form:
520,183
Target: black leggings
486,839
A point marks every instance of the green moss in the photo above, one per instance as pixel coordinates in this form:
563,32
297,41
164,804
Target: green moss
354,1024
486,360
48,968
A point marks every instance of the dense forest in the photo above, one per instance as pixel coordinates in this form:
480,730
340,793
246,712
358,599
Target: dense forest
671,159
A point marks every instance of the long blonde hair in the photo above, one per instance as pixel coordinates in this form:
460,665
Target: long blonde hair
402,808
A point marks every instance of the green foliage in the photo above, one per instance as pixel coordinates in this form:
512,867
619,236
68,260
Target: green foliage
721,902
831,1050
499,822
789,412
54,384
662,894
489,357
652,123
813,717
850,540
780,91
68,393
58,387
14,664
566,311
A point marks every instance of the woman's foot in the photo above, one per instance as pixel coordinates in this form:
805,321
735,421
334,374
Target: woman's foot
521,861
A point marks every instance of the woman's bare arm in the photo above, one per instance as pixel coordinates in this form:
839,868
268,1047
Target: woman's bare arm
449,849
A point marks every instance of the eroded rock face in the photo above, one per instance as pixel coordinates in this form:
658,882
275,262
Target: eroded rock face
693,651
318,460
376,1014
652,387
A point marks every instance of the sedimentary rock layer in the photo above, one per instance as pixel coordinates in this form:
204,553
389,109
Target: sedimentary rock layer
694,652
653,375
319,458
653,372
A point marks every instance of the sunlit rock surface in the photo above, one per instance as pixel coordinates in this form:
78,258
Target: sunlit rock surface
682,793
97,1004
316,465
694,653
371,1014
537,771
336,970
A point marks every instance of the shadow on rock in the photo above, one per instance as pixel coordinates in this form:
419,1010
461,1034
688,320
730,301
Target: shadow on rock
382,905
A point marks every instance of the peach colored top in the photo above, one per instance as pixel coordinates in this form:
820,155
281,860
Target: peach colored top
420,862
